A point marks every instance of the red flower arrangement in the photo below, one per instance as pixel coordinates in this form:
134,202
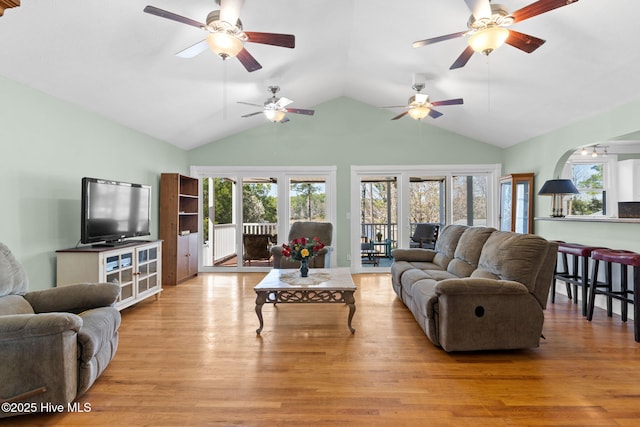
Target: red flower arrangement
302,249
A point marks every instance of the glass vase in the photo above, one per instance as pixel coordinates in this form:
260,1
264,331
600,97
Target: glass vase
304,268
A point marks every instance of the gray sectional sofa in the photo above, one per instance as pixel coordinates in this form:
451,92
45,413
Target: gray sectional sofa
479,289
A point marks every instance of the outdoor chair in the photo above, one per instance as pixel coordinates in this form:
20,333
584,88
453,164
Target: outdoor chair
256,247
425,235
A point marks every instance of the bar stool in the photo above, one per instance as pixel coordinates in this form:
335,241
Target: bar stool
625,259
574,276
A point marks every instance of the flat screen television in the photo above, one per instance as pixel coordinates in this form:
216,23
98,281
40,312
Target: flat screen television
113,211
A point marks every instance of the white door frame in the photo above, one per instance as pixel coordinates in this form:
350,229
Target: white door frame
283,174
403,173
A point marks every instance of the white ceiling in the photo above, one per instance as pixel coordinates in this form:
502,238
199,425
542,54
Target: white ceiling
111,58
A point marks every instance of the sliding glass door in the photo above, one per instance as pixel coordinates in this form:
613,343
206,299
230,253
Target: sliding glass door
378,219
392,200
243,208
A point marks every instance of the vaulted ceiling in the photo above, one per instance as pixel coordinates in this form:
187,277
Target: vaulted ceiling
111,58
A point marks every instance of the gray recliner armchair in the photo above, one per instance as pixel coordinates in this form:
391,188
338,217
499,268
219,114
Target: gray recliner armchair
310,229
56,342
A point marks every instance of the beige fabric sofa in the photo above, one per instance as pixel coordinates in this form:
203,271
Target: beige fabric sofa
54,343
479,289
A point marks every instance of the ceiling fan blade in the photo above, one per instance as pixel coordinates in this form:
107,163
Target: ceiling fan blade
248,103
252,114
284,120
462,59
479,8
538,8
300,111
170,15
434,114
523,41
433,40
248,61
282,40
401,115
193,50
230,10
456,101
283,102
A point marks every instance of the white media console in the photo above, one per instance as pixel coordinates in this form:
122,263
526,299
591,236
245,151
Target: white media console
135,265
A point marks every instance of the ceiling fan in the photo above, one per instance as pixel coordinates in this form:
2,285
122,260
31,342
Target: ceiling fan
275,108
226,36
487,28
420,107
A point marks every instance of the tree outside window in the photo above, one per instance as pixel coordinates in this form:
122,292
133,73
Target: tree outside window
589,180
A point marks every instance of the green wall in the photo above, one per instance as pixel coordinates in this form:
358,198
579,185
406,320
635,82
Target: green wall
544,156
46,147
345,132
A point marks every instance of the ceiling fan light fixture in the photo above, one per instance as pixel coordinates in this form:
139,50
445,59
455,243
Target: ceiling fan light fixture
488,39
224,44
274,115
419,112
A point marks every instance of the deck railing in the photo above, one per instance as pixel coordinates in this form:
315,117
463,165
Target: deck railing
387,231
224,245
224,240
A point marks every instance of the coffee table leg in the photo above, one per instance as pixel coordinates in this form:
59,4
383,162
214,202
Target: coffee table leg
351,302
260,300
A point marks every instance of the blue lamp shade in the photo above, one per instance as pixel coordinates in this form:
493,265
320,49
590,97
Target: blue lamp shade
557,188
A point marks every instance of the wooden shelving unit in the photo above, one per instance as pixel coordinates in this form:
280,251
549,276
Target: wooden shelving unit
179,227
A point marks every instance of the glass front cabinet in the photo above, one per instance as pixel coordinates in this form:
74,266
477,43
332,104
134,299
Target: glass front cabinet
516,203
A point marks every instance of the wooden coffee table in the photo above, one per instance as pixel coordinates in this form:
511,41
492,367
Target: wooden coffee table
323,286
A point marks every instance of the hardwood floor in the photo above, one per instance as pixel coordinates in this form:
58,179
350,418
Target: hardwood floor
193,358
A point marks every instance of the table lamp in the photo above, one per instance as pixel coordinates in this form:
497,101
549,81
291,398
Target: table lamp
558,188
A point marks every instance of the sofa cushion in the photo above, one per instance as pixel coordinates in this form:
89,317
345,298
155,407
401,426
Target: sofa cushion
467,253
446,244
14,304
512,256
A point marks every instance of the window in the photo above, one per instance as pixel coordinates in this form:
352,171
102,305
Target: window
307,199
390,200
589,180
469,200
246,209
594,178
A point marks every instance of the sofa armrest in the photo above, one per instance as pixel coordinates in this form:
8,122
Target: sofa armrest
479,286
19,326
99,326
39,352
415,254
74,298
